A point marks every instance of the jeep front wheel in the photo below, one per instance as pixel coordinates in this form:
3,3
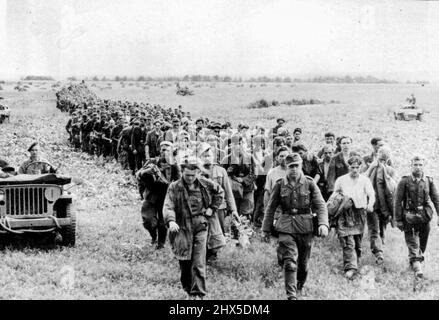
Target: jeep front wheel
68,232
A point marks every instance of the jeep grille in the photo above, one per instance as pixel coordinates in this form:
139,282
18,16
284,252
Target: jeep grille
26,200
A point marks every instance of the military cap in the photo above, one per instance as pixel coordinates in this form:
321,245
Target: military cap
297,130
298,146
166,143
183,134
293,158
175,120
203,147
166,125
280,120
199,119
417,157
157,121
184,120
191,163
32,146
216,125
244,126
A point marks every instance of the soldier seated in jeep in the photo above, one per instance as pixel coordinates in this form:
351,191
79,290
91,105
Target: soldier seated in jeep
35,165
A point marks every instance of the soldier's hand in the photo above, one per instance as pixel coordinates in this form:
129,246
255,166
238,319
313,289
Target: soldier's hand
323,231
134,151
235,215
209,212
400,225
266,237
369,208
173,227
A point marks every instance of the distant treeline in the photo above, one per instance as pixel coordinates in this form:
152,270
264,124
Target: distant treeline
262,79
38,78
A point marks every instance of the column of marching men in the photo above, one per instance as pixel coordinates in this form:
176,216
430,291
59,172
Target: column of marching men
200,179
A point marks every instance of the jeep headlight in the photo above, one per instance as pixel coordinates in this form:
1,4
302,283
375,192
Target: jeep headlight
52,193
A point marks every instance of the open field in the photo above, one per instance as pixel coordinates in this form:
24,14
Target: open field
113,259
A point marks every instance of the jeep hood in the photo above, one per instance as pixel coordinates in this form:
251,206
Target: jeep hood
49,178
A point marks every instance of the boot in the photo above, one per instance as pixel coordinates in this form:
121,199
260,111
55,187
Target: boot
417,269
290,285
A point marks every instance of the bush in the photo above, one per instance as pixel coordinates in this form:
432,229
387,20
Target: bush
259,104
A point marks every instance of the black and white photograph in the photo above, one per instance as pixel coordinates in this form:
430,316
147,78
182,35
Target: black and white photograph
219,150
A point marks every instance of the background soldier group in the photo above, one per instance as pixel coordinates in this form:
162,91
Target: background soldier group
267,176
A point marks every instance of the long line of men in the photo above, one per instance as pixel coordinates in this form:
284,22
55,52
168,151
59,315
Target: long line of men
249,165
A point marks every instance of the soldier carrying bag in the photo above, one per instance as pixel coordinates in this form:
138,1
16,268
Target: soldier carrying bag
420,214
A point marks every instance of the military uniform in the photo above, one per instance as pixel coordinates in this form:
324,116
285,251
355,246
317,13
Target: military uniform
413,208
153,187
295,226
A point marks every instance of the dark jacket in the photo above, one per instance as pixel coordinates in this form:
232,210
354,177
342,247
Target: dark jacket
297,204
310,168
153,140
137,142
384,187
337,168
411,195
153,186
241,167
176,208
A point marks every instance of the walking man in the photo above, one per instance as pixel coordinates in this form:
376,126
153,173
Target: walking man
154,179
190,202
415,197
358,189
295,193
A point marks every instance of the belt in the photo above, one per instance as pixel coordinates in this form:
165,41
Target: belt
296,211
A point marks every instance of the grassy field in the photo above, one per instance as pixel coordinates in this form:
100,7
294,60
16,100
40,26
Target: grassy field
113,258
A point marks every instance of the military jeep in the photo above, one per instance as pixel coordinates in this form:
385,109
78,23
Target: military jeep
408,113
37,204
5,113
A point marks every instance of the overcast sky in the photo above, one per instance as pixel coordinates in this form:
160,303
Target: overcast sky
393,39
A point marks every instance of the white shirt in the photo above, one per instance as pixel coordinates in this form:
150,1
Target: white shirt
272,176
358,189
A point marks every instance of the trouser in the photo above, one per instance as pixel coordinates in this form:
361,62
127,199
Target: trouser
416,239
152,217
293,253
132,162
85,143
220,213
193,272
325,193
351,251
258,213
138,160
245,205
114,149
106,150
376,225
123,159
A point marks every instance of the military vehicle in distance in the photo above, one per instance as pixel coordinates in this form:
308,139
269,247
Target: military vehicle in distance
408,112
